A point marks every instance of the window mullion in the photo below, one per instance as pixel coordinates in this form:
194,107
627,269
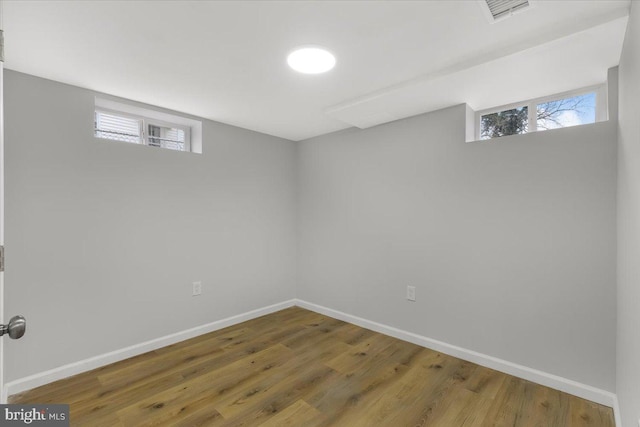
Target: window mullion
143,133
533,117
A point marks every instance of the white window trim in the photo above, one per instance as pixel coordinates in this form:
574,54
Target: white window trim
192,128
601,107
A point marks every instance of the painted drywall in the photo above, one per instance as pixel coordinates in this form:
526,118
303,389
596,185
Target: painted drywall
104,239
628,330
510,243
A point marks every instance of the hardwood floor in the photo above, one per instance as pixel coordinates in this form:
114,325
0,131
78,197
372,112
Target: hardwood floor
299,368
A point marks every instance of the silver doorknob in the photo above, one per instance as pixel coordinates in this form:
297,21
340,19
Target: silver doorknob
15,328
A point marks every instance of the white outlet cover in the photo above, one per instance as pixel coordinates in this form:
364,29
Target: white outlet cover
197,288
411,293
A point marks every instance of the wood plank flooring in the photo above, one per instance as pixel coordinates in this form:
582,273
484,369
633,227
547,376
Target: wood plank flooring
302,369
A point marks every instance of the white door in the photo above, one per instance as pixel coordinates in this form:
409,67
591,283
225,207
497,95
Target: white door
16,326
3,398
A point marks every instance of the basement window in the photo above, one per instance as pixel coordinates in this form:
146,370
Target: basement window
131,124
568,109
141,130
118,127
512,121
566,112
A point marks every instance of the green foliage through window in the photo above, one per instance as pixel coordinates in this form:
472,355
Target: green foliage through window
502,123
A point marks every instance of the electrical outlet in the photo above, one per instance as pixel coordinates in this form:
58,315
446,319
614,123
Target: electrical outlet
411,293
197,288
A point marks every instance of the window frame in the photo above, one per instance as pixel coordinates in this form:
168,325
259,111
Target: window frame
143,126
192,126
601,113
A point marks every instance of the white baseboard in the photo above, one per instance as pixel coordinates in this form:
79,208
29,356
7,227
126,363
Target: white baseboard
559,383
617,416
553,381
36,380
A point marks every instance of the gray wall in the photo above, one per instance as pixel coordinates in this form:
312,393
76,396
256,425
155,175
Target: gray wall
628,349
104,239
510,244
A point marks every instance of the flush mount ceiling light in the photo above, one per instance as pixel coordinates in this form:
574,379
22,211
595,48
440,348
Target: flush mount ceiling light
311,60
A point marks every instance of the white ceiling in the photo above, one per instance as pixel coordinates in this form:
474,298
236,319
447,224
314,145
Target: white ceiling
226,61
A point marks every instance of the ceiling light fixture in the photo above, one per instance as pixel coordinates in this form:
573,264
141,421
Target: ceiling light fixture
311,60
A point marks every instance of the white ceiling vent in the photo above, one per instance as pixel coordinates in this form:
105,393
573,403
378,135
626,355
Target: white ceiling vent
497,10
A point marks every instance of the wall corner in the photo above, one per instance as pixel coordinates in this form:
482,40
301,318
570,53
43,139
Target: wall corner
470,124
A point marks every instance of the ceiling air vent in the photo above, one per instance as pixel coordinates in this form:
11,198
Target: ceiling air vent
499,9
